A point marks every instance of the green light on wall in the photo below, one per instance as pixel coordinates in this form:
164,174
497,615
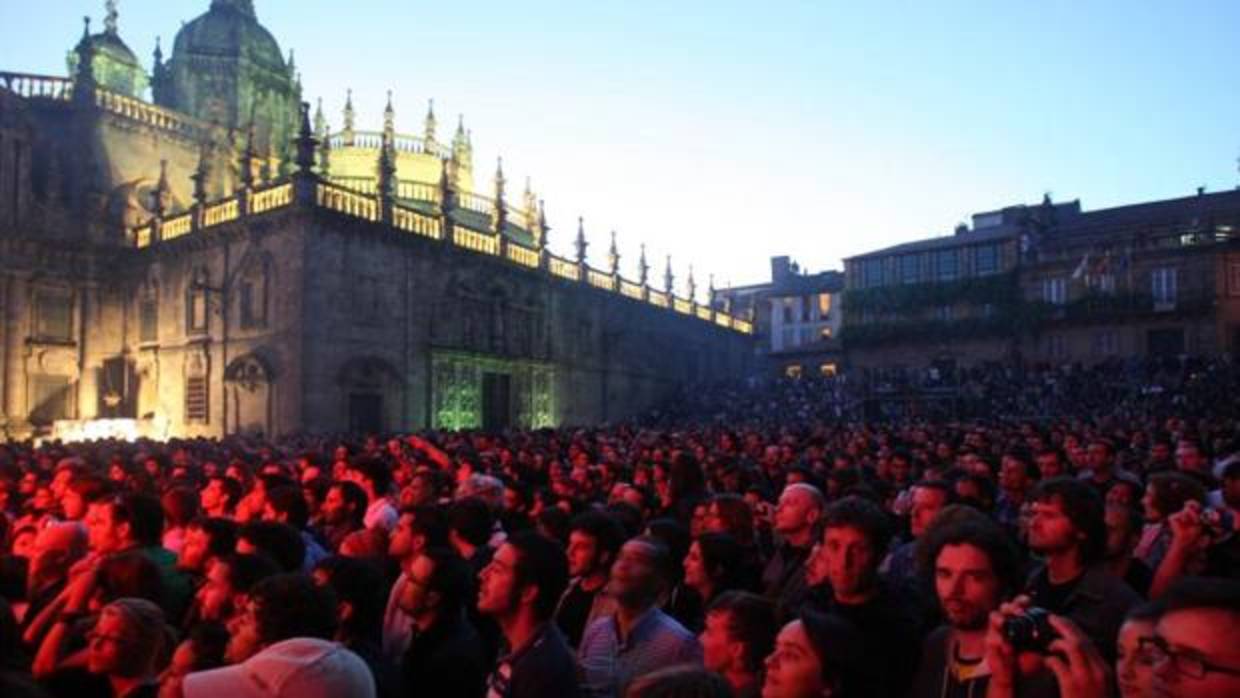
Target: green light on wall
458,397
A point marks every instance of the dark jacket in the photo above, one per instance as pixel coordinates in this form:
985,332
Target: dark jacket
1097,604
446,661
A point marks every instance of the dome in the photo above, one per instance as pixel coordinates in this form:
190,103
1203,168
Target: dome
113,64
230,30
111,46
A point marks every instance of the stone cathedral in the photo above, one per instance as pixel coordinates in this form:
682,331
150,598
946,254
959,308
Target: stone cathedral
190,252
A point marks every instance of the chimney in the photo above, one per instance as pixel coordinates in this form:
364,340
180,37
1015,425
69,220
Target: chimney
781,268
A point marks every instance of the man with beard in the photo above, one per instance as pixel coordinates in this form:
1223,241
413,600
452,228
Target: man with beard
1068,528
974,568
343,509
226,586
445,655
519,588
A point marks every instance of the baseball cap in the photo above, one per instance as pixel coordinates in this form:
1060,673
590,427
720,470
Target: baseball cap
303,667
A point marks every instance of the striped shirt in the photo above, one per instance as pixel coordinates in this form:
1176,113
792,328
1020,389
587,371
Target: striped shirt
656,641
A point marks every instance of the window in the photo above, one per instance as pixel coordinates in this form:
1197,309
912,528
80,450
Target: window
987,259
828,369
787,310
910,269
825,333
148,320
824,305
944,313
807,335
54,316
196,399
872,273
1055,290
947,262
793,371
807,307
1163,284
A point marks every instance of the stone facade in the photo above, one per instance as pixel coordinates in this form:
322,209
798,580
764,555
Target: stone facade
160,268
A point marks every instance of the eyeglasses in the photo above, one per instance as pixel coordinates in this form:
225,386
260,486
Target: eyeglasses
1155,648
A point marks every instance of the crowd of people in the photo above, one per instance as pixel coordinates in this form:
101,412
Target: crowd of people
710,552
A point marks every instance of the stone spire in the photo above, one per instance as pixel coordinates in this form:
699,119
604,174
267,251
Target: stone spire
162,193
347,132
499,216
643,267
201,175
529,206
540,238
292,64
669,280
692,286
613,256
110,17
428,131
305,142
320,121
159,56
84,75
462,149
389,119
581,243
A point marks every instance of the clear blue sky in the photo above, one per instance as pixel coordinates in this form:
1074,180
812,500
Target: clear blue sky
726,132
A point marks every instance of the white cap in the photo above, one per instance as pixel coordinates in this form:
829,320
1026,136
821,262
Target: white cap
302,667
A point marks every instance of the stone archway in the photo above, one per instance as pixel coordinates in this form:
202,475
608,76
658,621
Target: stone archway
249,388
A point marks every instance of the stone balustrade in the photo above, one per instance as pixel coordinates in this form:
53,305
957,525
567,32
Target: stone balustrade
265,200
485,243
373,140
37,86
523,255
367,207
414,222
598,279
221,213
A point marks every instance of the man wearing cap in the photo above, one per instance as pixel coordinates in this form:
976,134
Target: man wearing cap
280,647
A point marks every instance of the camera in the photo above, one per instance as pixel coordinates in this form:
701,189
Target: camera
1030,631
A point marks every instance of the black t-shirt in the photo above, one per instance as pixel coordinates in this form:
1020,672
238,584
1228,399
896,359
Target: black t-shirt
574,612
1053,597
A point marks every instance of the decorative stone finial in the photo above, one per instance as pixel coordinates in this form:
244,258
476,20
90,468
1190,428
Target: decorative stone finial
109,17
201,174
581,243
320,121
347,132
389,117
428,131
643,268
306,143
159,53
613,256
540,240
669,280
161,194
692,285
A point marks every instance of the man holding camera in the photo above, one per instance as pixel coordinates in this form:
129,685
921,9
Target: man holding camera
1068,529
